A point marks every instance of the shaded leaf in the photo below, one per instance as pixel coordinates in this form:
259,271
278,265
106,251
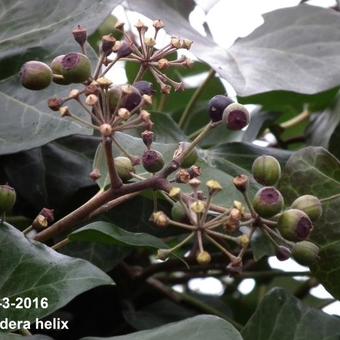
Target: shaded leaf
109,233
157,314
58,173
31,269
282,316
196,328
104,256
315,171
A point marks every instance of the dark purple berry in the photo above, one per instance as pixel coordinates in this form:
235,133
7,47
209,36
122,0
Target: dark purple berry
132,100
124,50
217,105
283,253
144,87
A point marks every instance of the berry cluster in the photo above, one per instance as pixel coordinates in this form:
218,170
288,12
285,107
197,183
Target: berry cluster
287,230
113,108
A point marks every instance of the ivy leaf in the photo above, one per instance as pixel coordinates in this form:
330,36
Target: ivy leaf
197,328
315,171
291,51
30,269
109,233
282,316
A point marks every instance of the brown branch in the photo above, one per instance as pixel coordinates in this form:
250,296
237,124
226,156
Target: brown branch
111,204
157,182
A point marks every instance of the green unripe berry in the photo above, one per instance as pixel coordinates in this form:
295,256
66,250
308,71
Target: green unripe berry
266,170
203,258
268,201
75,67
309,204
124,168
152,161
35,75
294,225
178,212
305,253
7,198
57,69
191,158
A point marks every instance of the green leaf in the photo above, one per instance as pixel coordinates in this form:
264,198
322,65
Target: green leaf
291,51
31,269
315,171
109,233
282,316
196,328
